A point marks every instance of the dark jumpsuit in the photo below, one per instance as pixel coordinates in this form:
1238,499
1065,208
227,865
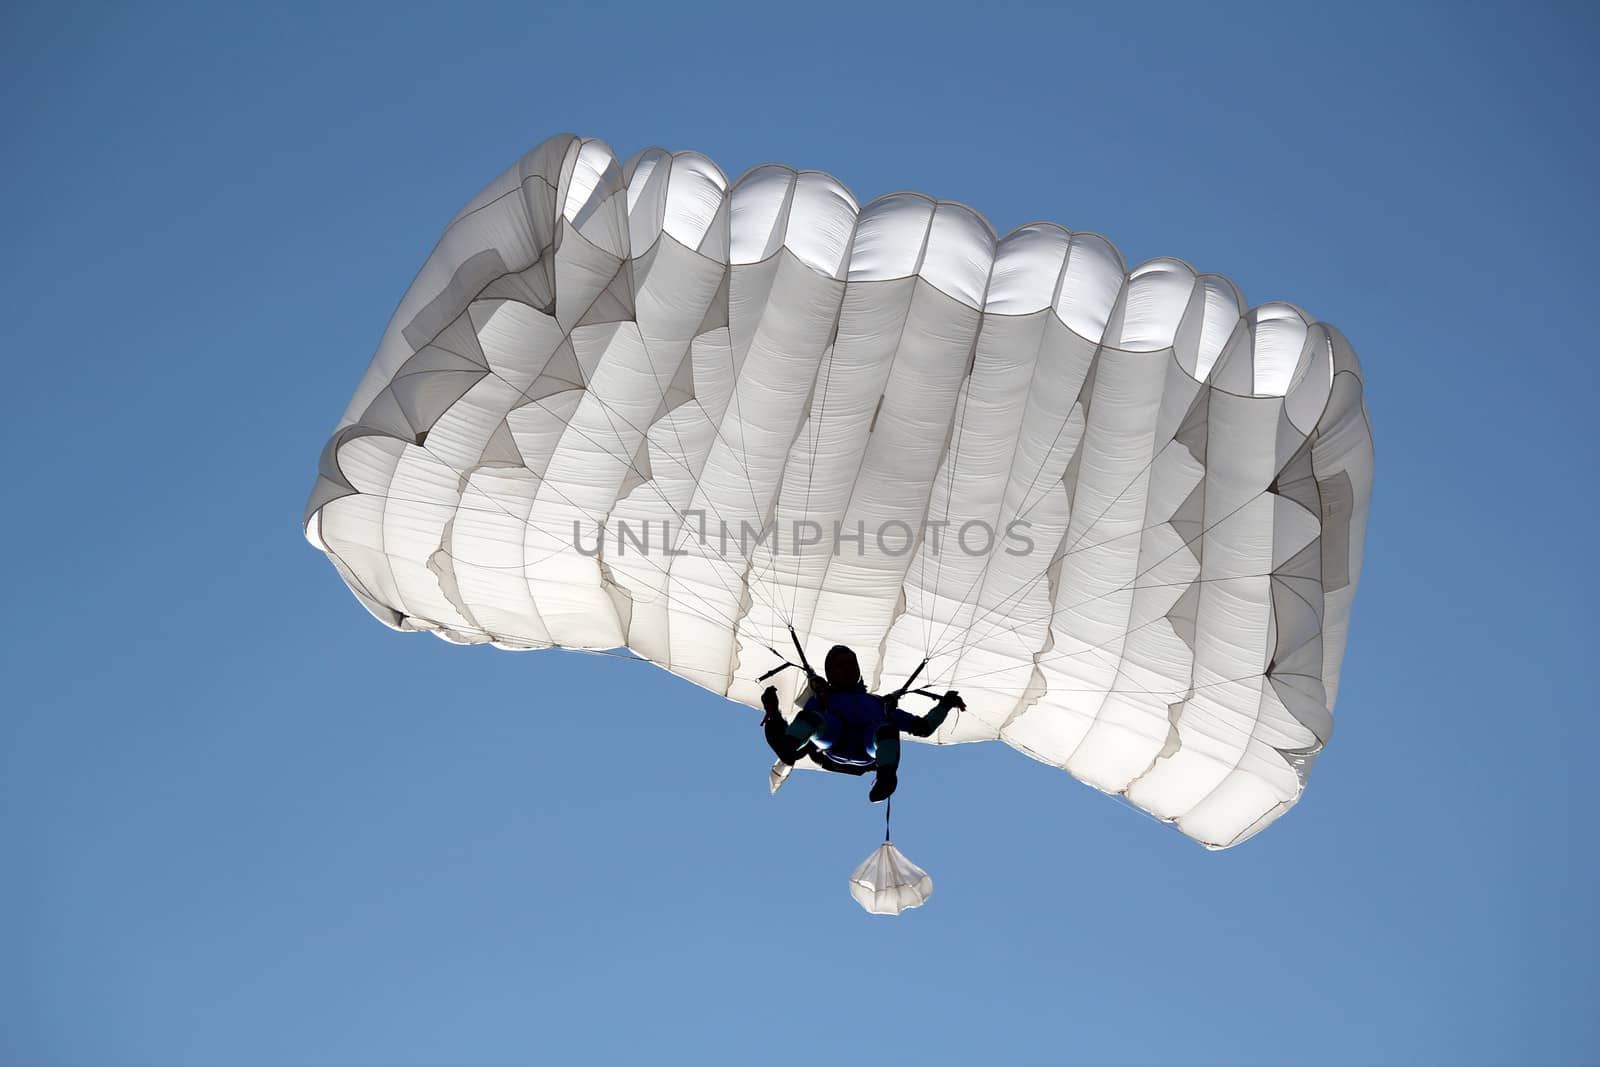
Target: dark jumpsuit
852,731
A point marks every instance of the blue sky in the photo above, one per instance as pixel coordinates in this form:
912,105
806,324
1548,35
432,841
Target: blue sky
242,823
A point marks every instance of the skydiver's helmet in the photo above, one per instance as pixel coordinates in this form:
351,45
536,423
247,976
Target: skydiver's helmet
842,669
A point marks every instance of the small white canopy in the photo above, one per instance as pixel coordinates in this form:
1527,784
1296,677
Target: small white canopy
887,883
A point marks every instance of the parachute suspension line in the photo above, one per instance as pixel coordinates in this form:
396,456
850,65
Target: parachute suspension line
785,664
731,623
888,807
662,391
904,689
1018,691
805,664
726,619
720,619
500,509
606,409
1027,507
1192,542
600,652
779,669
608,412
966,639
818,405
932,593
1155,455
677,434
740,456
1019,624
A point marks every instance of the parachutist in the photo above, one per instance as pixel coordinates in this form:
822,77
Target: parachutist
845,729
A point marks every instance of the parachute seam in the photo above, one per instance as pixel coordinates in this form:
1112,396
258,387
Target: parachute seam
1133,592
542,484
1188,543
814,416
688,354
738,415
894,358
605,408
960,417
1266,677
1195,662
980,583
862,209
1093,364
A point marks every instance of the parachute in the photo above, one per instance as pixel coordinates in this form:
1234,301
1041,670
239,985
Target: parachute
886,883
632,405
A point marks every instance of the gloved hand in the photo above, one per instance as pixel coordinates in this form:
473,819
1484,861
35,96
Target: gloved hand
769,701
952,699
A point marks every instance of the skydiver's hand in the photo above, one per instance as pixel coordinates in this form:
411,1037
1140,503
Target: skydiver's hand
769,701
952,699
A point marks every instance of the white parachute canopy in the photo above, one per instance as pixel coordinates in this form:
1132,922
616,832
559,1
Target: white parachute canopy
634,404
887,883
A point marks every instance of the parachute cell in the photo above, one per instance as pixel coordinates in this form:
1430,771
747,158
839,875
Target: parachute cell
630,404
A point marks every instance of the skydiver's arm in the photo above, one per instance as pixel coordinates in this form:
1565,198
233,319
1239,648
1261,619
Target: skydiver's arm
927,725
819,692
773,726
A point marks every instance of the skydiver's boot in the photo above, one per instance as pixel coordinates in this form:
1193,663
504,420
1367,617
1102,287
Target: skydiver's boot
883,786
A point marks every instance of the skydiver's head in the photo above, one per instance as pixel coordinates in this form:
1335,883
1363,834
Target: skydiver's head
841,668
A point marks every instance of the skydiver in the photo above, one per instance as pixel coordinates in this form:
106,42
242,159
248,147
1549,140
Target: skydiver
846,729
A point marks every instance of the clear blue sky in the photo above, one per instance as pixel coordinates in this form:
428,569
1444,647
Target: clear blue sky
242,823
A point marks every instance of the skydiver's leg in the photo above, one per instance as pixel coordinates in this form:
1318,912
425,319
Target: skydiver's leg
788,742
805,728
886,748
886,754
